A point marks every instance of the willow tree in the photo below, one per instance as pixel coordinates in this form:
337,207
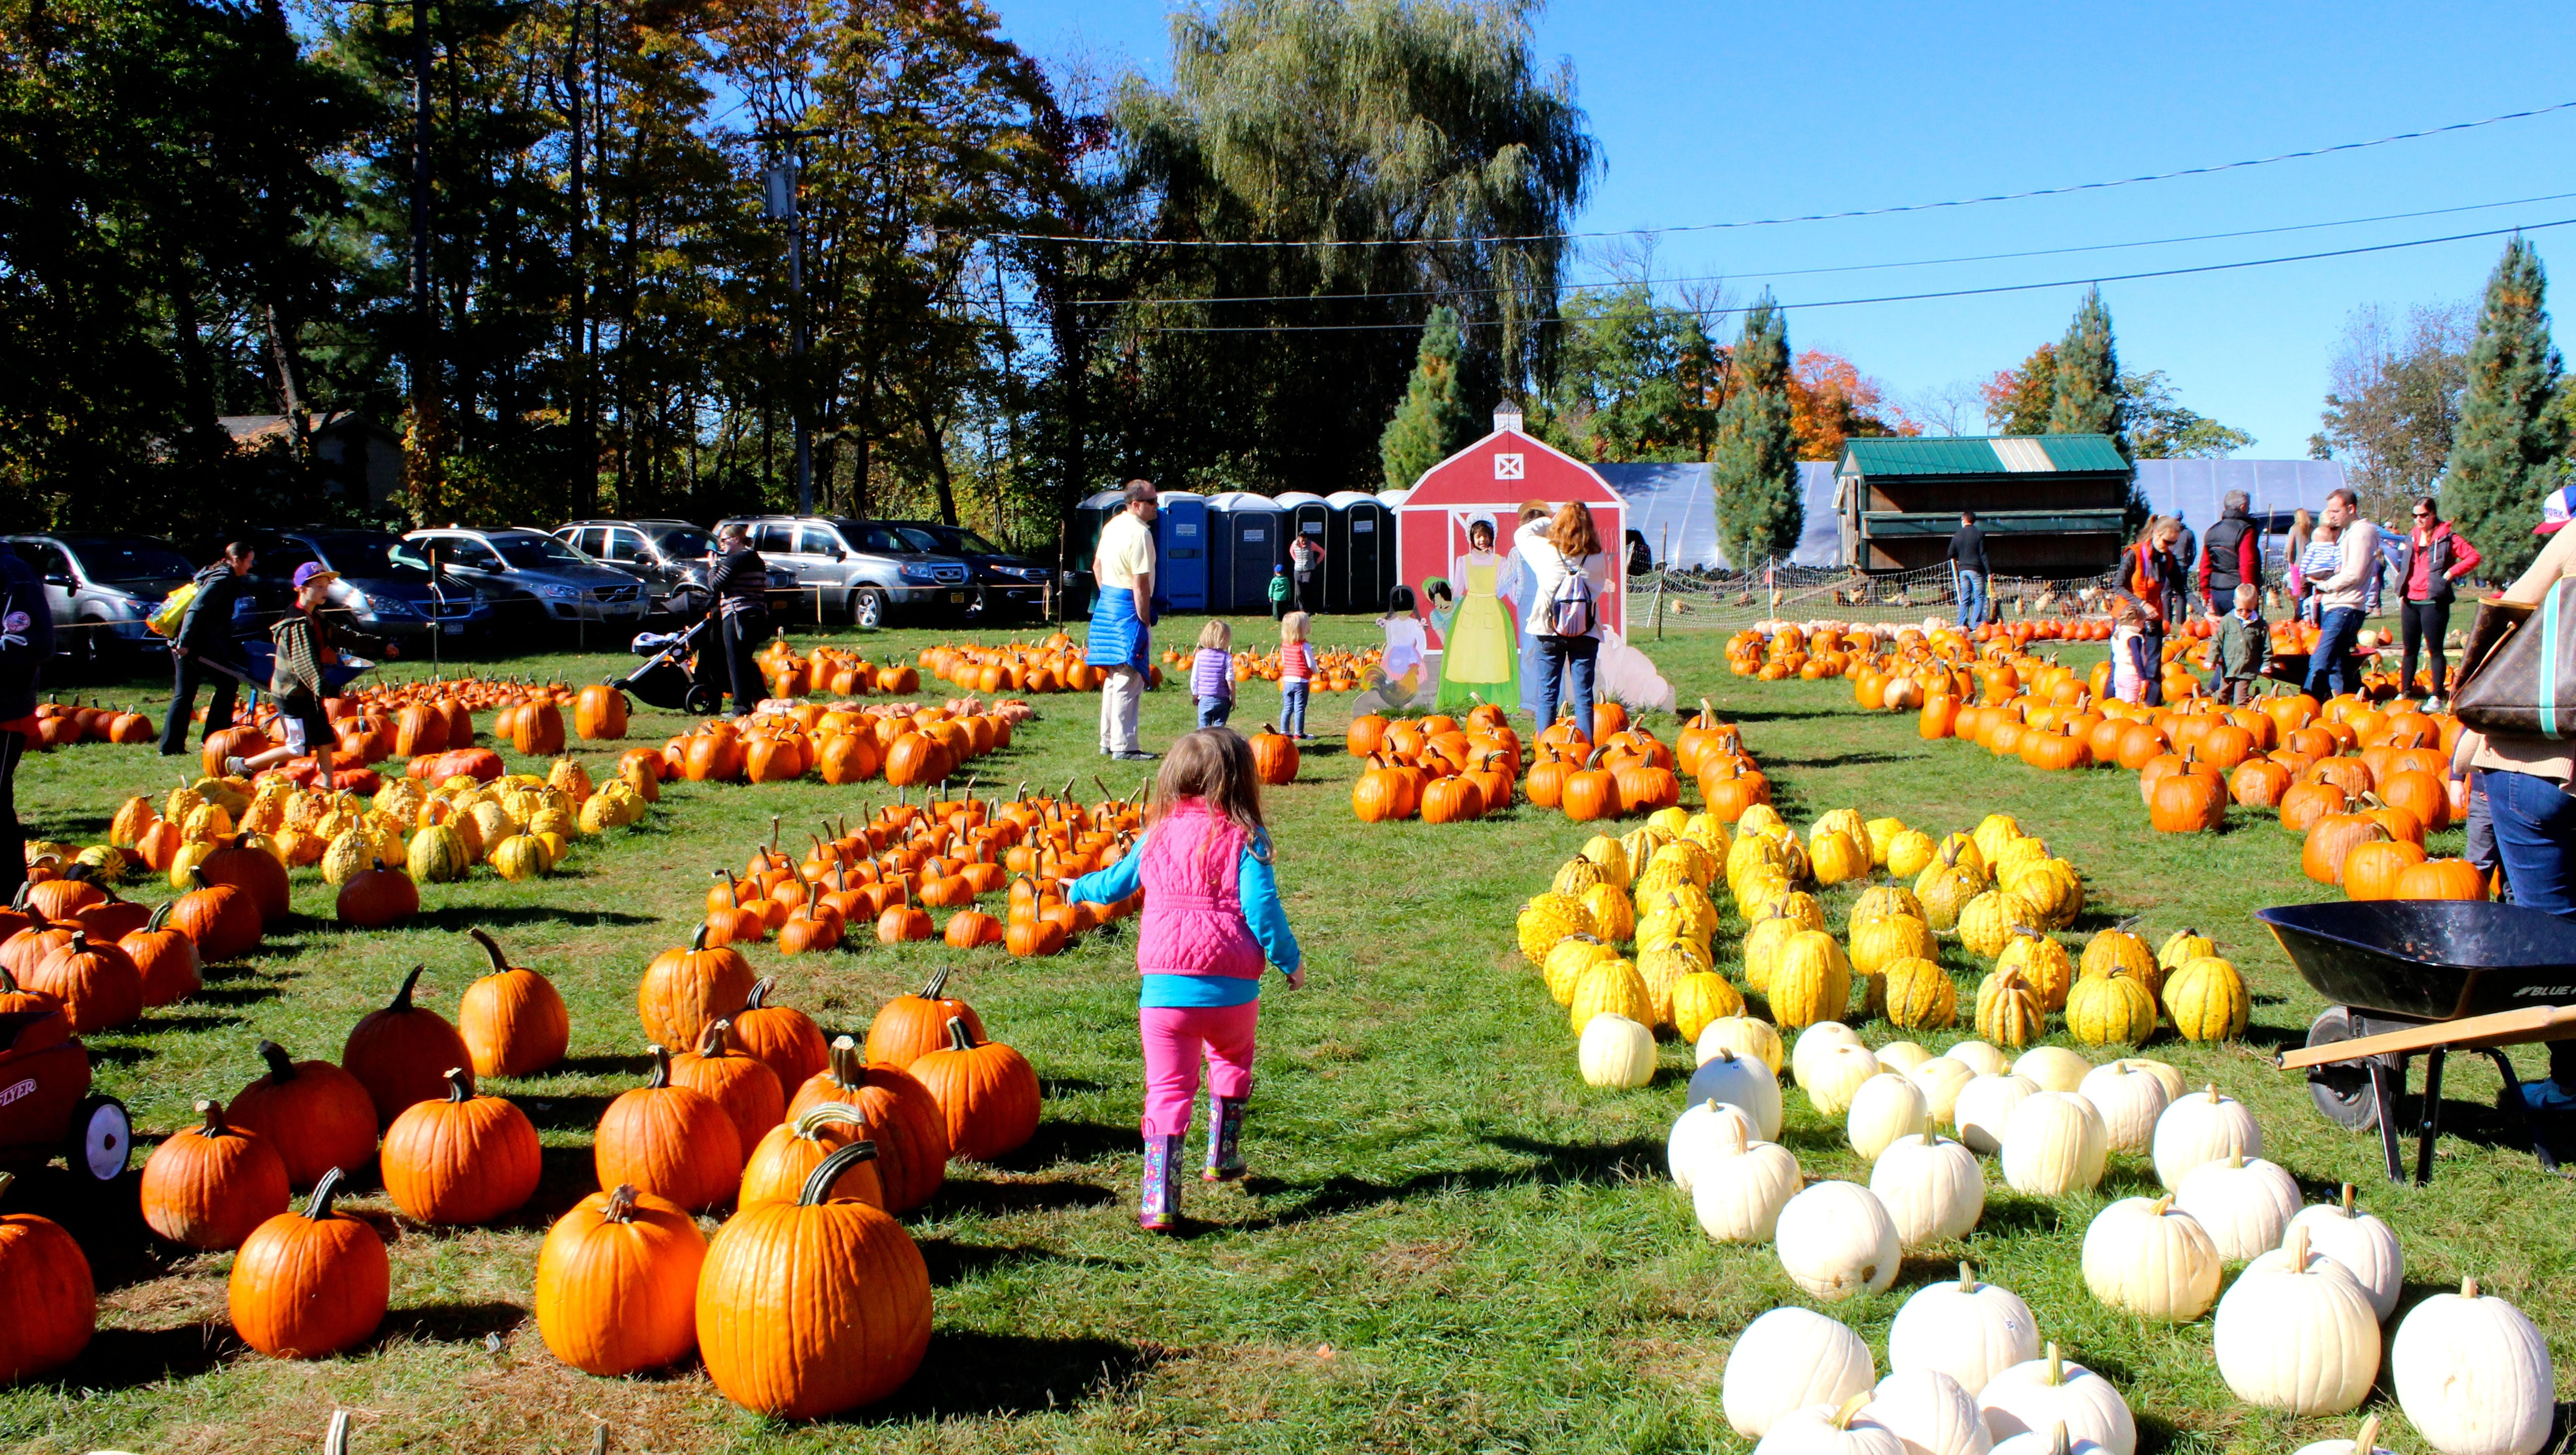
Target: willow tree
1372,160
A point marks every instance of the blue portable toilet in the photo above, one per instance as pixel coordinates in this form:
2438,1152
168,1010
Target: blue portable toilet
1181,551
1363,543
1244,545
1305,514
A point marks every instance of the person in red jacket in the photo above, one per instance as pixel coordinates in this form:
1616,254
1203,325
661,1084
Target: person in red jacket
2429,558
2231,555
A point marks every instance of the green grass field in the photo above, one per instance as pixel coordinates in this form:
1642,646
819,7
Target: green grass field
1447,1243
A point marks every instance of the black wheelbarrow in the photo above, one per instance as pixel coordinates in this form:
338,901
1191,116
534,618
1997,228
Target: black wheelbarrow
2424,976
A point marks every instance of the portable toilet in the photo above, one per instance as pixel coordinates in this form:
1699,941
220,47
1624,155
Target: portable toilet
1243,548
1181,551
1304,514
1363,543
1390,558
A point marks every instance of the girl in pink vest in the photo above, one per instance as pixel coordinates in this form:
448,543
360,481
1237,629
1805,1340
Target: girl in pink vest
1212,918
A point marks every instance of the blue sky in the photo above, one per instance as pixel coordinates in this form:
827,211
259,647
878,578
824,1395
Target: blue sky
1711,112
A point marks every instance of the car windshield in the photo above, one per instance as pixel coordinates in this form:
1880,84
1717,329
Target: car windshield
128,558
369,557
537,552
915,538
683,542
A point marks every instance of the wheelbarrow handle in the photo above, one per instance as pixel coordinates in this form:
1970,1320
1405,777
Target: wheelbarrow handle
2473,1033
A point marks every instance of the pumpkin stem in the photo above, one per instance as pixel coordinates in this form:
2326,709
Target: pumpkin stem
213,1113
2056,1367
661,1076
938,978
335,1441
823,1115
1852,1407
849,1064
958,1039
2347,1211
401,1003
621,1204
2297,1247
1967,1279
318,1206
715,1039
698,939
2368,1439
818,1183
460,1085
2057,1440
599,1441
2468,1285
281,1069
491,947
760,993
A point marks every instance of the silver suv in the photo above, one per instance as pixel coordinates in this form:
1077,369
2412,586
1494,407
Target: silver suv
531,567
864,569
101,589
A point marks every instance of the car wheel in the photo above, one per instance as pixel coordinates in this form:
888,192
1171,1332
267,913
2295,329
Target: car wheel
867,608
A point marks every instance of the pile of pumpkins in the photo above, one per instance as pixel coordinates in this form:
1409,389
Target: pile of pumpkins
62,724
942,853
1433,768
1333,669
908,745
811,1298
2299,1330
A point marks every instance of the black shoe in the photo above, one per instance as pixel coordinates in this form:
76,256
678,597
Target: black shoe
1133,756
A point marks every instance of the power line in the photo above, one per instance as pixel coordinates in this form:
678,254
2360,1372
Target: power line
1921,297
2202,171
1847,268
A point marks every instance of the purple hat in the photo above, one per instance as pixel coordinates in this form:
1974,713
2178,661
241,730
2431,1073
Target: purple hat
312,571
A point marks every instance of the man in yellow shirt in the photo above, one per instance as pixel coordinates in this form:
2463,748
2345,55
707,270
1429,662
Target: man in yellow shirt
1121,641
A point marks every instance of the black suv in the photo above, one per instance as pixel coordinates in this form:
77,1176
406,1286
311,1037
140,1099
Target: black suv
1009,584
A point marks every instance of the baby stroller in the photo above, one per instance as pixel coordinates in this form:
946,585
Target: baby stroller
668,680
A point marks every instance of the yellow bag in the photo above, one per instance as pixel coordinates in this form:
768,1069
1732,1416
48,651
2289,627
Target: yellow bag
166,619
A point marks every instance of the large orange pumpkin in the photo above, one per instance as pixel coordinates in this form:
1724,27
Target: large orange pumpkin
401,1053
310,1282
462,1159
513,1020
684,989
209,1185
899,1114
669,1140
316,1115
987,1091
617,1283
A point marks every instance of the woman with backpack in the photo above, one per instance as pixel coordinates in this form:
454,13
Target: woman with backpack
1567,575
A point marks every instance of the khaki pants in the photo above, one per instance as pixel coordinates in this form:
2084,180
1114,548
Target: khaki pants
1122,692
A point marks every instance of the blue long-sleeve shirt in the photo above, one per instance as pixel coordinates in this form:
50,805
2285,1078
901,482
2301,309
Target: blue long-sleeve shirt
1255,884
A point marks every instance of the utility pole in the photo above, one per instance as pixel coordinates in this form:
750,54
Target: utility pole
428,427
781,204
585,439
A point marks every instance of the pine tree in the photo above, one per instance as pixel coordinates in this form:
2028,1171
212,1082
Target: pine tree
2089,400
2505,457
1432,423
1755,463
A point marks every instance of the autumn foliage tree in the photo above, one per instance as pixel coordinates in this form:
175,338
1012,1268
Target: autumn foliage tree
1831,400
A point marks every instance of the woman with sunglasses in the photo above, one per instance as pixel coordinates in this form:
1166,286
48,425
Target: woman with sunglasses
2429,558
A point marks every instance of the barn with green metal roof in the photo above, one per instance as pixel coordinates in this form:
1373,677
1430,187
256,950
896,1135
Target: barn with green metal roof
2053,505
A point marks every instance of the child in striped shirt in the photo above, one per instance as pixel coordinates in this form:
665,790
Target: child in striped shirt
1296,670
1212,674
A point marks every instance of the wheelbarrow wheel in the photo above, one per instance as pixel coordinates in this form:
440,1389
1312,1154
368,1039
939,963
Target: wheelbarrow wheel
2342,1091
102,1135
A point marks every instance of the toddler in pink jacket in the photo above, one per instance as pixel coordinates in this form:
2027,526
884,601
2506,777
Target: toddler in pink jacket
1212,920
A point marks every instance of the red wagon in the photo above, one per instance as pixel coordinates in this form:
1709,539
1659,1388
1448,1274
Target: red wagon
46,1109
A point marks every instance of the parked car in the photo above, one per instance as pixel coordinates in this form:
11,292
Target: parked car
668,556
384,587
1008,584
531,575
864,569
102,589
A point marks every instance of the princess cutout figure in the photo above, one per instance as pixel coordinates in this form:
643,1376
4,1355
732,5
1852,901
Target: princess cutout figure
1481,661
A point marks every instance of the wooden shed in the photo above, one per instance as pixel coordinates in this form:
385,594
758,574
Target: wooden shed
2053,505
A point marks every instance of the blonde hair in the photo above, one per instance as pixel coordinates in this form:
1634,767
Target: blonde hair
1214,764
2244,593
1293,626
1572,532
1216,636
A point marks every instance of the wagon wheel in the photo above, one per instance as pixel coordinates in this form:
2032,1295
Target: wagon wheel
102,1134
2342,1091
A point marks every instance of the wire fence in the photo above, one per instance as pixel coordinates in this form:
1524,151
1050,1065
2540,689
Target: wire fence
1778,590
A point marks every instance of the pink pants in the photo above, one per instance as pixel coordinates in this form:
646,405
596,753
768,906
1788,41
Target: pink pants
1175,1038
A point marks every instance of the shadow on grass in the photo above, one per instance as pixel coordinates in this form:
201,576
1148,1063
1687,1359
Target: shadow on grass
578,1111
998,1199
974,1375
241,990
133,1358
188,1022
1051,1087
953,1262
1605,1163
635,1065
453,1323
461,917
1082,1143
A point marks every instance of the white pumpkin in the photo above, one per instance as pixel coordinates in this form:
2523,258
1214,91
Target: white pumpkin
2202,1127
2130,1098
2365,1442
1739,1187
2055,1068
1985,1107
1967,1330
1823,1429
2246,1206
2055,1144
1695,1138
2295,1333
1979,1057
1745,1036
1744,1081
2147,1257
2473,1374
1813,1042
1930,1412
2052,1441
1616,1051
2365,1246
2164,1072
1787,1360
1886,1107
1933,1188
1941,1078
2048,1391
1902,1057
1836,1241
1835,1076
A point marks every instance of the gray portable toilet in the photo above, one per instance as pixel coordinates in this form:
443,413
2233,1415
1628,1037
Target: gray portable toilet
1305,514
1082,538
1244,545
1181,551
1390,557
1363,542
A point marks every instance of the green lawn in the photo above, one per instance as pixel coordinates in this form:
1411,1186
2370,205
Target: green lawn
1447,1243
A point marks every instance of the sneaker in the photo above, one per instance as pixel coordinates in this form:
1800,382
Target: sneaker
2548,1098
1134,756
2432,704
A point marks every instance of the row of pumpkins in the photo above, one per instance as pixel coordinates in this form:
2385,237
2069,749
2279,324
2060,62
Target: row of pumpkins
420,721
908,745
942,853
62,724
810,1299
2299,1331
1441,770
